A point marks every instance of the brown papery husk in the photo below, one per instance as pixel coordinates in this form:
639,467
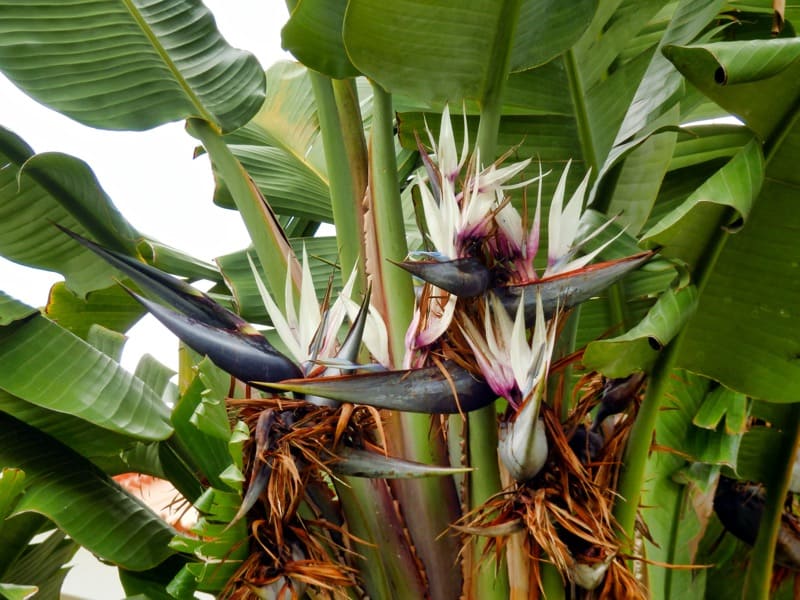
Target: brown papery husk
285,545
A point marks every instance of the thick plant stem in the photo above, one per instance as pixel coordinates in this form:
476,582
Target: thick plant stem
346,95
638,449
429,505
386,563
641,436
393,288
552,583
578,96
346,200
269,240
759,573
497,75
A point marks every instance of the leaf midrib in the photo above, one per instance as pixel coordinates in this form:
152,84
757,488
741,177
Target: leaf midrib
144,26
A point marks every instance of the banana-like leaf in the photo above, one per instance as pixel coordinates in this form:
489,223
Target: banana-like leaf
362,463
12,591
12,484
290,186
85,438
744,335
220,544
726,404
662,83
199,441
379,39
65,487
43,565
48,366
313,34
736,185
427,390
13,310
734,74
132,65
638,348
110,307
37,190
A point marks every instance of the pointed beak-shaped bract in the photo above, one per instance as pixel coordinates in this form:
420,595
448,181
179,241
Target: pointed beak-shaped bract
566,290
205,326
426,390
248,357
463,277
363,463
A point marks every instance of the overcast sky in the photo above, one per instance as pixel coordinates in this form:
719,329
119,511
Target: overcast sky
150,176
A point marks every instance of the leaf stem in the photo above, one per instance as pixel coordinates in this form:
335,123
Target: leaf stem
342,175
759,574
389,231
552,584
637,451
497,76
578,96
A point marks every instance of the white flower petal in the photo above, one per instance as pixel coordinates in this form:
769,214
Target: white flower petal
278,320
309,306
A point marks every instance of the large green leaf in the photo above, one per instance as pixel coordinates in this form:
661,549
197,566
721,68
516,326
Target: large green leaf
36,191
110,307
314,35
44,564
198,421
135,64
685,230
13,310
734,74
744,333
65,487
47,365
638,348
380,37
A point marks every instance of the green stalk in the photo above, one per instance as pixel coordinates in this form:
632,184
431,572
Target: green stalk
641,436
345,198
552,583
497,75
430,505
386,564
759,574
490,580
346,96
578,96
389,231
268,238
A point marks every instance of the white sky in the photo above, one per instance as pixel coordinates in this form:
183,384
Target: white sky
150,176
158,186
